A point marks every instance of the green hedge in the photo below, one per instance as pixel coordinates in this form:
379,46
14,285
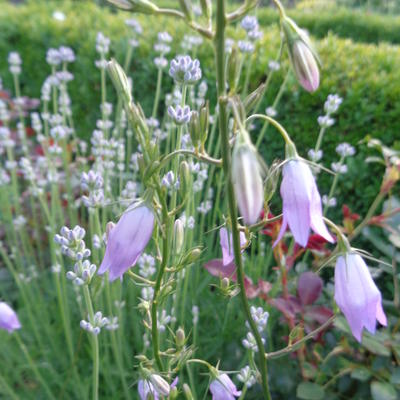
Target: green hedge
366,76
354,24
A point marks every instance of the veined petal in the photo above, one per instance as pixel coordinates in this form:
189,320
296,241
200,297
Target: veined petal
296,192
127,240
227,245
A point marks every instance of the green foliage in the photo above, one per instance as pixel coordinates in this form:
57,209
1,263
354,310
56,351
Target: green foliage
355,24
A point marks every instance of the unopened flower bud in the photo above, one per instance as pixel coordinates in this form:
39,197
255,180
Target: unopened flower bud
302,55
141,6
204,122
180,338
173,394
179,235
194,128
252,100
160,384
225,283
187,392
247,180
233,68
119,80
184,178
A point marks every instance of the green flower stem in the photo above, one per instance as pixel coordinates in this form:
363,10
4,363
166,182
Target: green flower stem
226,157
274,105
371,211
333,186
33,367
276,124
158,92
319,140
157,287
95,344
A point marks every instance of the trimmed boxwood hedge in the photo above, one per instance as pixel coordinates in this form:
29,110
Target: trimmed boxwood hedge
365,75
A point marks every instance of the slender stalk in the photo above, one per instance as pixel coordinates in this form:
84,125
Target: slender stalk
226,161
274,105
158,91
334,184
95,344
157,287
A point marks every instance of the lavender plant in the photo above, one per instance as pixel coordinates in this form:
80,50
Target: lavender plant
126,227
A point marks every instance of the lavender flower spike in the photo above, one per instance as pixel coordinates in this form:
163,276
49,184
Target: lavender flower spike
227,245
302,207
357,295
8,318
222,388
127,240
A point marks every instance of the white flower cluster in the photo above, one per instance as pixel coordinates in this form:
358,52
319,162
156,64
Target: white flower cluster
260,317
147,265
92,183
72,243
247,376
95,326
83,273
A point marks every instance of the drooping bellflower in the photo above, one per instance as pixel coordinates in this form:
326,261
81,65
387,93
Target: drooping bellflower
127,240
222,388
227,245
8,318
302,207
357,295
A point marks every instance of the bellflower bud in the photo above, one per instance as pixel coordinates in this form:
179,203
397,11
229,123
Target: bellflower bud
302,55
127,240
119,80
179,235
160,384
222,388
357,295
8,318
141,6
247,180
302,207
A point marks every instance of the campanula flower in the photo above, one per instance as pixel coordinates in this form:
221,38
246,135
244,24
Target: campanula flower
8,318
222,388
357,295
302,207
227,245
127,240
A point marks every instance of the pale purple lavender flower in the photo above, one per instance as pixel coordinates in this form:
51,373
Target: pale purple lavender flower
274,66
160,62
53,57
227,245
127,240
184,70
164,37
345,150
357,295
14,61
332,103
245,46
302,207
271,112
325,121
254,35
222,388
249,23
67,55
180,115
339,168
135,25
315,155
8,318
